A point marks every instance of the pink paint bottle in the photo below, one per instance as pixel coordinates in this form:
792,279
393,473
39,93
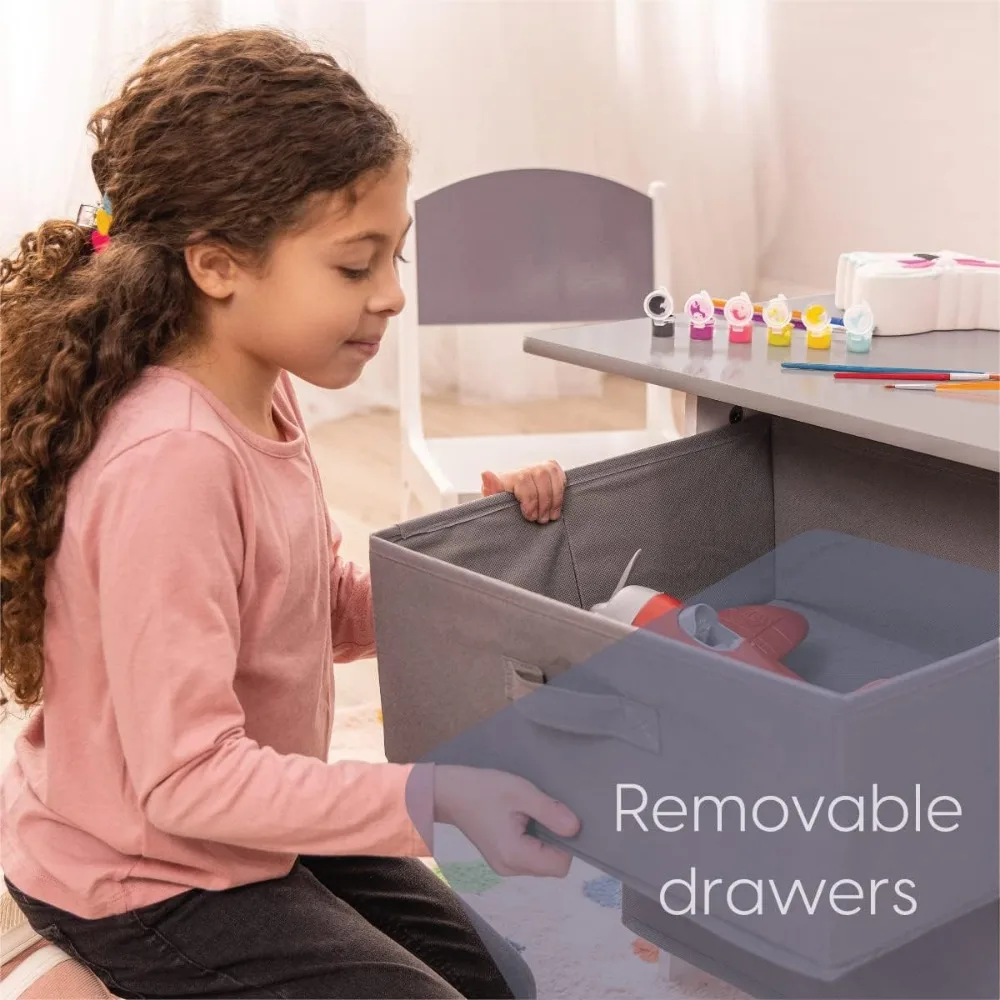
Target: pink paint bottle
739,315
700,311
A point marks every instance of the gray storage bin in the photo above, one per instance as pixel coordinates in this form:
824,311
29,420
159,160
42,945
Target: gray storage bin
475,608
959,960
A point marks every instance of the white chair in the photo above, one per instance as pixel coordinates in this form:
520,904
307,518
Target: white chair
523,247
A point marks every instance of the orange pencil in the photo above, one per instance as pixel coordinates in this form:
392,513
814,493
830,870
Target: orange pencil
947,386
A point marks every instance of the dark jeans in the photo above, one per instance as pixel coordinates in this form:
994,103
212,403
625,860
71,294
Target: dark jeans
333,927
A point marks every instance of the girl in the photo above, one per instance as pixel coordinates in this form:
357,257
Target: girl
170,820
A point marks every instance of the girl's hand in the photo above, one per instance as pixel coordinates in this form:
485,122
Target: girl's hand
493,808
539,488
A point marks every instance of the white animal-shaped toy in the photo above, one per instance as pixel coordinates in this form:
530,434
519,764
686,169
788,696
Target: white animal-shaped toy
919,292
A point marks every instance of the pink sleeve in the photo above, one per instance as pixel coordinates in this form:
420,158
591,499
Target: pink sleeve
351,597
166,544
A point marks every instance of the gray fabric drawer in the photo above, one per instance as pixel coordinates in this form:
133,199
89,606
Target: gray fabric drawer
891,557
957,961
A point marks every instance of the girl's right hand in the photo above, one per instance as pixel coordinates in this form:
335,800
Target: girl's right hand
493,809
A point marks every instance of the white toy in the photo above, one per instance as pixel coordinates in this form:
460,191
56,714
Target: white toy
634,604
919,292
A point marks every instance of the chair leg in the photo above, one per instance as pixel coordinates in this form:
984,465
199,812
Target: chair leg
685,409
690,414
415,504
409,505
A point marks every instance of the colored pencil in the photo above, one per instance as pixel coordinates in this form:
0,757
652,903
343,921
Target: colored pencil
758,314
920,376
958,386
815,366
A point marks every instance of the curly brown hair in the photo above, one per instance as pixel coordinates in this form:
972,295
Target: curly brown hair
222,137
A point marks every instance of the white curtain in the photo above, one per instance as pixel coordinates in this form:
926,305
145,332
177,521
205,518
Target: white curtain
635,90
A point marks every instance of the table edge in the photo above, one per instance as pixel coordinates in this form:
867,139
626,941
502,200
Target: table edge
736,395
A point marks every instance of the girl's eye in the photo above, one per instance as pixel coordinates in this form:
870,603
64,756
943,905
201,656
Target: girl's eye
355,274
361,274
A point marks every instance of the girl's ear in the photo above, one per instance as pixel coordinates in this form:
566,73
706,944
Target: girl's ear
212,269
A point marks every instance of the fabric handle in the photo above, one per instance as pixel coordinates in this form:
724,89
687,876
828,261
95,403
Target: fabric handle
606,716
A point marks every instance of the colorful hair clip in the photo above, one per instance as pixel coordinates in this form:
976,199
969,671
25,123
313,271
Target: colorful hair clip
102,219
98,220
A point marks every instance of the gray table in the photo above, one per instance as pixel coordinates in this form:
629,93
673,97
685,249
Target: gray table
957,426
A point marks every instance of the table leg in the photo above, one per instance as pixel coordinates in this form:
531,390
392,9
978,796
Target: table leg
676,971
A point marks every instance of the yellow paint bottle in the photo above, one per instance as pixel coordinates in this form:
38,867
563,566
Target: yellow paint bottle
819,333
777,318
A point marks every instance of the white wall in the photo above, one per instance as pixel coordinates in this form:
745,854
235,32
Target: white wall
890,117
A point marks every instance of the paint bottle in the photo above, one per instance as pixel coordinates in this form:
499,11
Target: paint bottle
859,326
819,333
700,311
738,312
778,320
659,307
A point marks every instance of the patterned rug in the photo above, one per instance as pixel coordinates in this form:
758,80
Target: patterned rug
570,932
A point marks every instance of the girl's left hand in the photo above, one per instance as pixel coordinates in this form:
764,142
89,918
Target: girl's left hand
539,488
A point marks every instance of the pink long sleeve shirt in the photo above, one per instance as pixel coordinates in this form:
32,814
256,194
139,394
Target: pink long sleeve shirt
196,605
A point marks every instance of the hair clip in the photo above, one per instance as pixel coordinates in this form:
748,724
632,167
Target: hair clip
98,220
85,216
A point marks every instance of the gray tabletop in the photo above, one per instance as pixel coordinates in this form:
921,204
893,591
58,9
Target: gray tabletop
962,427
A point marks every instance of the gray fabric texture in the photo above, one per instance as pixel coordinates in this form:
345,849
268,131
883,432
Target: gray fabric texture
890,556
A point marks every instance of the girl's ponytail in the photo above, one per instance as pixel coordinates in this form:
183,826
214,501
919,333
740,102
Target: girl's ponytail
76,331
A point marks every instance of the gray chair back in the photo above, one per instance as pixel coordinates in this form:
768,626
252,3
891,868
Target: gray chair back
533,246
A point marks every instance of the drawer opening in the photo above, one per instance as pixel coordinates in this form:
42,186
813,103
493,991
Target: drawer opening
842,533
